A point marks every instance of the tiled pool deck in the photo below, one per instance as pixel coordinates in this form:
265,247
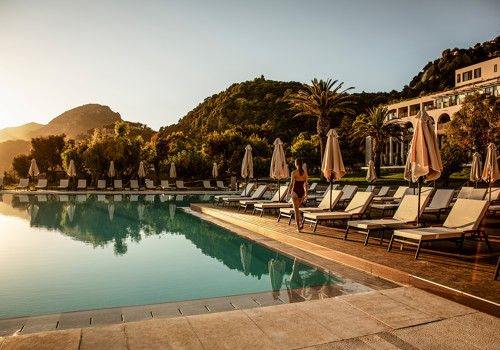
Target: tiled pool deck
390,317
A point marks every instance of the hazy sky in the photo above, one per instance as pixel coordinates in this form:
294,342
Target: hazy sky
154,61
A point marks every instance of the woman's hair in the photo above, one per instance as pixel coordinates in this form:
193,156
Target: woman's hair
300,164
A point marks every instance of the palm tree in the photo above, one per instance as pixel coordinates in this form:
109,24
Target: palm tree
323,101
377,125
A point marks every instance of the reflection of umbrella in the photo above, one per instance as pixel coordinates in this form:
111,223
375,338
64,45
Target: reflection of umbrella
246,257
215,170
33,171
111,211
173,173
332,165
424,157
33,211
475,170
247,164
279,168
140,211
111,171
276,273
171,210
491,172
371,175
70,210
71,169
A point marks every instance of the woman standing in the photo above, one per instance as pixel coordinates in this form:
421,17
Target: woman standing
298,189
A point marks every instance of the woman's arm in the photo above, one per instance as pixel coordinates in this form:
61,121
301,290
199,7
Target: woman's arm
307,185
290,187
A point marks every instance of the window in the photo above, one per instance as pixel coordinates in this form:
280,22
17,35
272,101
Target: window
458,78
467,75
477,73
489,91
495,68
438,103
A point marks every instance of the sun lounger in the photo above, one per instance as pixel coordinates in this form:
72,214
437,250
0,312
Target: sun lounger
101,184
220,185
396,197
247,191
464,220
464,193
278,197
118,185
134,185
179,184
82,184
440,202
384,191
150,184
23,184
259,192
261,207
320,194
405,215
393,206
478,193
165,185
63,184
42,184
356,209
371,189
348,193
207,185
313,186
1,183
324,205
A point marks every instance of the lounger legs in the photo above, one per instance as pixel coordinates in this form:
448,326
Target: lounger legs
390,244
418,249
367,237
497,269
346,232
290,219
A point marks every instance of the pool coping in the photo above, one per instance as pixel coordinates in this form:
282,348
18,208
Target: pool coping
367,266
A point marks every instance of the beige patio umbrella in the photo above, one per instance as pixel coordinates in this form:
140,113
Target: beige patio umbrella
491,172
71,169
246,257
424,156
33,170
141,172
215,170
111,170
279,168
172,173
247,164
371,175
476,168
332,165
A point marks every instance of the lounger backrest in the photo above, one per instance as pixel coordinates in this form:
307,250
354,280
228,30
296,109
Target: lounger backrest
325,202
206,184
134,184
495,194
63,183
179,183
477,193
312,188
150,183
371,189
259,192
118,184
359,202
23,183
164,183
42,183
466,214
400,192
247,190
101,183
220,184
383,191
82,183
407,209
465,192
279,195
349,192
442,198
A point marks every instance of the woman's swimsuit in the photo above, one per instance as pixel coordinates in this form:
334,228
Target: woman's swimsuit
298,188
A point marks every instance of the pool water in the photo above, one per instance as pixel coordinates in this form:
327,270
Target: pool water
68,253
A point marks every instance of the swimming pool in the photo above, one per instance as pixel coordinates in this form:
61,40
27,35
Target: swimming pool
67,253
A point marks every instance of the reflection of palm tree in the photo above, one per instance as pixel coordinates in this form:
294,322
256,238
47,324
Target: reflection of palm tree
246,257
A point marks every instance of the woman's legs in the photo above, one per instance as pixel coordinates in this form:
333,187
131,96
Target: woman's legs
296,205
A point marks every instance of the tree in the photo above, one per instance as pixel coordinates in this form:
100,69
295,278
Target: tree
21,165
323,101
476,124
452,156
47,151
306,147
377,125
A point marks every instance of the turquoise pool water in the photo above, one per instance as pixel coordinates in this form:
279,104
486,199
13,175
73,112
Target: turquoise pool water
68,253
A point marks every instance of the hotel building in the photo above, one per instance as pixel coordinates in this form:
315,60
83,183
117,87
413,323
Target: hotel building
483,78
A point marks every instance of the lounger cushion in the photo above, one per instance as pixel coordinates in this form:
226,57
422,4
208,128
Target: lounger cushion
376,224
328,215
272,205
429,233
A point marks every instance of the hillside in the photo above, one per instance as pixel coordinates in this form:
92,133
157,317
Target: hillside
19,132
10,149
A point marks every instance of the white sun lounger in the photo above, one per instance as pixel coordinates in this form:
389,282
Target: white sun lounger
207,185
118,185
165,185
259,192
440,202
324,205
394,206
404,215
134,185
356,209
63,184
384,191
320,194
278,197
464,220
82,184
348,193
400,192
247,191
179,184
150,184
101,184
23,184
220,185
42,184
261,207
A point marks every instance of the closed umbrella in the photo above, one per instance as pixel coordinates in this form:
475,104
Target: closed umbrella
111,170
491,172
424,157
172,173
475,170
215,170
371,175
33,171
332,165
71,169
279,168
141,172
247,164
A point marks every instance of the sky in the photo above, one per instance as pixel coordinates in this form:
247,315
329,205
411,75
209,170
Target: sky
154,61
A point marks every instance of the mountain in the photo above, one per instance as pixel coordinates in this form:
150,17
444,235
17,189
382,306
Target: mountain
19,132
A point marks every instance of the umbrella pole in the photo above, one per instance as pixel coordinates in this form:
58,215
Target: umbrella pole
279,189
418,207
331,184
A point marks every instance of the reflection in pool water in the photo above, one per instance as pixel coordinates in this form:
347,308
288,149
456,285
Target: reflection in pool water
64,253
